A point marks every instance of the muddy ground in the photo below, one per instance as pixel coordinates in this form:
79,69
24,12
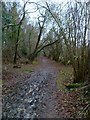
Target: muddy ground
35,94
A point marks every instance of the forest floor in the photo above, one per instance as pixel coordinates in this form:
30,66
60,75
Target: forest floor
37,91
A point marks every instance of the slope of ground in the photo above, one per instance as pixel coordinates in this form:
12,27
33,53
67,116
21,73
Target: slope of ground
32,92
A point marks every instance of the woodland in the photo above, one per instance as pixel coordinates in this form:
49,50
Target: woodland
41,35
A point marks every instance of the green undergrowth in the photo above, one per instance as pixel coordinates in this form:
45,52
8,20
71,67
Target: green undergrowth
73,85
71,90
35,62
29,67
65,75
0,82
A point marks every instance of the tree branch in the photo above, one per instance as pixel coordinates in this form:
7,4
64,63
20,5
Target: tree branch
20,22
47,45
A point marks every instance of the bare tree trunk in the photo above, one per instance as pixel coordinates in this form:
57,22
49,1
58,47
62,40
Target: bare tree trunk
17,39
89,48
34,54
88,6
16,45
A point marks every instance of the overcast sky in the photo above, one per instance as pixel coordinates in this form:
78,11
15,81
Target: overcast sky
30,6
58,1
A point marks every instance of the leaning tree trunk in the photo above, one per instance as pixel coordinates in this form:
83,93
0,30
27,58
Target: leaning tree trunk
89,62
88,5
17,39
16,45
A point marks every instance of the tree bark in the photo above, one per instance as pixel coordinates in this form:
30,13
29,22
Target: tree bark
16,45
17,39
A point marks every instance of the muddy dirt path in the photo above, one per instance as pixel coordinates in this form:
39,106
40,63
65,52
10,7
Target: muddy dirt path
35,96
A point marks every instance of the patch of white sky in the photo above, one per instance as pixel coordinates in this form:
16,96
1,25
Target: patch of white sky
32,8
32,16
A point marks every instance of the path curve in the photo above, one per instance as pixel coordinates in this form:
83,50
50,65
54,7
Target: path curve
35,96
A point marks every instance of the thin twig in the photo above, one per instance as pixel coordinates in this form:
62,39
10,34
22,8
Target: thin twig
77,89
